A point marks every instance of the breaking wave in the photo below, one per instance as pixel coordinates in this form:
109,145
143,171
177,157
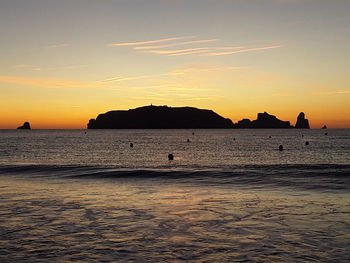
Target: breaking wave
305,176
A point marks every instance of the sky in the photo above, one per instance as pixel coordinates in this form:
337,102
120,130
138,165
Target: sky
62,62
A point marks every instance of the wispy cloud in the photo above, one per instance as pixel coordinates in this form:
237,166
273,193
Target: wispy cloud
198,51
57,46
194,47
150,98
239,51
174,88
203,68
335,92
176,44
70,67
37,68
47,82
189,69
190,51
194,82
119,79
198,98
147,42
174,51
27,66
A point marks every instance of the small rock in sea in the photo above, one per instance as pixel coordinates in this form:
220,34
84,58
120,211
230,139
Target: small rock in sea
306,143
326,133
188,140
25,126
280,147
131,145
270,137
302,123
170,156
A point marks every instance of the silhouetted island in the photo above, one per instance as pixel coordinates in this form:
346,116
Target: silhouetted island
25,126
160,117
302,123
263,121
164,117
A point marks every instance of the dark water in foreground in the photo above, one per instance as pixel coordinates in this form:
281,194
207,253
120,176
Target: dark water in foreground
229,196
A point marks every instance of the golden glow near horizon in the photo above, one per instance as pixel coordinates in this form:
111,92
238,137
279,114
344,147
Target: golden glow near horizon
64,63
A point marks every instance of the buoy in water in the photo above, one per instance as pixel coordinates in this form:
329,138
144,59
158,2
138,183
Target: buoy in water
170,156
280,147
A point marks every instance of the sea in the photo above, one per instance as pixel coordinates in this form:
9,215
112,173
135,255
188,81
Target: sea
229,195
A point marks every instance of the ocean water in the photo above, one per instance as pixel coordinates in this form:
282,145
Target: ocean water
228,196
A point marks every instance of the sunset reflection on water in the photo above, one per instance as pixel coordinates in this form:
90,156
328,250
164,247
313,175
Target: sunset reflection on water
145,220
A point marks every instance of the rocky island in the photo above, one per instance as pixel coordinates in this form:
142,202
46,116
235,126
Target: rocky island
25,126
164,117
263,121
160,117
302,123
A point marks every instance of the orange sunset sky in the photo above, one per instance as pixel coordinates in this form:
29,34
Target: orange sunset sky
63,62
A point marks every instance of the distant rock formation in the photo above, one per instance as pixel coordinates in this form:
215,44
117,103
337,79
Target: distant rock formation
244,123
324,127
25,126
164,117
302,123
160,117
263,121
